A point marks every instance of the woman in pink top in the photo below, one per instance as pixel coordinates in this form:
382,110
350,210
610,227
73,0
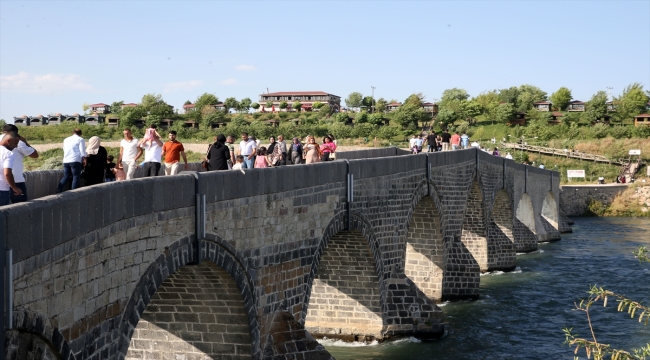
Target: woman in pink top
327,148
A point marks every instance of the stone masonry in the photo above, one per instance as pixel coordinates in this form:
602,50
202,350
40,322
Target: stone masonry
116,270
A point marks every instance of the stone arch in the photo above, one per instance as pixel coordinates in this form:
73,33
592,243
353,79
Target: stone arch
550,210
424,258
344,296
501,240
221,264
526,213
34,337
474,232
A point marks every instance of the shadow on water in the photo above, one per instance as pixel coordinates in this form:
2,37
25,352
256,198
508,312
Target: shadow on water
520,315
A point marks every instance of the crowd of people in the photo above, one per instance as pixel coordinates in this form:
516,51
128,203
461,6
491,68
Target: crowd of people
444,141
251,154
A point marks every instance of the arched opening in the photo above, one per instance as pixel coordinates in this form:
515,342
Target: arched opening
474,235
550,211
425,249
345,298
501,240
34,337
525,213
197,312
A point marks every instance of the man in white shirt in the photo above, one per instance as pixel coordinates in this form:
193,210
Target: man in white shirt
130,152
412,144
247,149
74,158
23,149
7,184
152,155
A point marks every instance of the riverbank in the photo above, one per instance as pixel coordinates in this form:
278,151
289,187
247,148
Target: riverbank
610,200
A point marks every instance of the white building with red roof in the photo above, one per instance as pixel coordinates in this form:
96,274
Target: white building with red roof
100,108
306,98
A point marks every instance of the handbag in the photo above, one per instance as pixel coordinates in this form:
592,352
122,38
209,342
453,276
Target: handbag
205,164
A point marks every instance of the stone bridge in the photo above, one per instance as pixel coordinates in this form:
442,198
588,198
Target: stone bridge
253,265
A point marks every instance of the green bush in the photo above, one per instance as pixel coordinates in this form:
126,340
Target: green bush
363,130
620,132
340,130
387,132
53,163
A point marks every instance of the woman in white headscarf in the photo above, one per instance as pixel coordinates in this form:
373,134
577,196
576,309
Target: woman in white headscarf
95,162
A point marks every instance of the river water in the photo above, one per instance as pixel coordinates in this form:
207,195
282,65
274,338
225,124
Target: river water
520,314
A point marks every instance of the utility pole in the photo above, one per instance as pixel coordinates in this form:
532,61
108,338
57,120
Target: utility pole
372,108
609,93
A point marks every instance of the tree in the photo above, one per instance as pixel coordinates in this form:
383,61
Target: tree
255,105
367,102
231,103
325,110
342,117
471,111
488,101
187,102
245,104
154,105
561,98
509,95
361,118
376,119
85,107
596,108
454,94
380,105
205,100
283,105
354,100
529,94
269,104
504,113
631,102
297,105
116,106
317,105
408,114
415,99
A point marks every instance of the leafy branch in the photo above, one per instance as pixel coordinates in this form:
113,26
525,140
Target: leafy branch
600,350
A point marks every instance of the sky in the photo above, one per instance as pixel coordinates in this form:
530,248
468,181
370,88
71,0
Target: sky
57,55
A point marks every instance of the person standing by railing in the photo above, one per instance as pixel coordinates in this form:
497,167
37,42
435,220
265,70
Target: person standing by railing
7,184
74,158
23,149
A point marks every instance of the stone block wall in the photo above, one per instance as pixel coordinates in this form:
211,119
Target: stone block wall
575,198
425,250
197,313
345,299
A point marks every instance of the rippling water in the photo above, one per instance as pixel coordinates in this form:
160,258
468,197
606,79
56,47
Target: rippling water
520,315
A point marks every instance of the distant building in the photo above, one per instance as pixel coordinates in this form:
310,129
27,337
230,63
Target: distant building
393,106
306,98
643,119
576,105
430,107
128,105
100,108
520,119
542,105
556,118
188,107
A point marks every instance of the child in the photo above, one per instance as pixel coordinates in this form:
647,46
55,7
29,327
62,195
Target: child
149,135
239,162
109,172
261,161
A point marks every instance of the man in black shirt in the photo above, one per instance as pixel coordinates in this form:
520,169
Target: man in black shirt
431,142
445,140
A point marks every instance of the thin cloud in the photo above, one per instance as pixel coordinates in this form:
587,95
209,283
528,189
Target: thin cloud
25,82
245,67
230,81
182,85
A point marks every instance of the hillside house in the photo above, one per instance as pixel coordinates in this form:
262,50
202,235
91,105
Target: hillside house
306,98
542,105
641,120
100,108
576,105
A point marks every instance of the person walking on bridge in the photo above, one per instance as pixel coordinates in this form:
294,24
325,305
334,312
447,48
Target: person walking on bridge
7,184
74,158
130,152
152,154
247,149
23,149
445,140
173,150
